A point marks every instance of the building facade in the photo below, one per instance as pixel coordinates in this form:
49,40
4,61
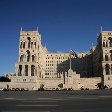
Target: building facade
37,66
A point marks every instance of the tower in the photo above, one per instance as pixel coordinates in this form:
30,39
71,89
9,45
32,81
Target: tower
28,66
106,49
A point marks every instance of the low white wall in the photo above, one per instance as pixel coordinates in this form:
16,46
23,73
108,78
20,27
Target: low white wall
90,82
4,84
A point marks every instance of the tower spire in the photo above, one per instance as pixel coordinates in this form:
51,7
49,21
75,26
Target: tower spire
37,28
101,28
21,29
92,44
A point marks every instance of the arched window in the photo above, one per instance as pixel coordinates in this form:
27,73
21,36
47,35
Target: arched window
26,70
23,44
38,47
21,58
107,69
32,70
28,55
33,58
111,68
103,44
31,44
110,41
106,57
20,70
111,55
28,42
35,44
106,44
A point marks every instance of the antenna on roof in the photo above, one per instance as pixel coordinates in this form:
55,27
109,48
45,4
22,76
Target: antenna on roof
92,44
37,28
101,28
97,34
21,29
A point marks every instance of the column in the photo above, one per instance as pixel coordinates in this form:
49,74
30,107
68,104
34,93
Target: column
104,70
17,70
103,56
23,70
108,43
110,69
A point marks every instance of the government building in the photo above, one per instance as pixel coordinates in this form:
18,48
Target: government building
36,66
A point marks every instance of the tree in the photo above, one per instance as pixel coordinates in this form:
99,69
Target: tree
4,79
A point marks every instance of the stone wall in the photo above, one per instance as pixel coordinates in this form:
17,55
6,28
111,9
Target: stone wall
89,82
4,85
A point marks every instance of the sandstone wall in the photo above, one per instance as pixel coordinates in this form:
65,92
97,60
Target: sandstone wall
89,82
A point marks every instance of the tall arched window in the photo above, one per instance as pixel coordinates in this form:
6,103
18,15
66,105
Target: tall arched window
106,57
28,42
110,41
35,44
21,58
26,70
107,69
23,44
103,44
33,58
28,55
20,70
38,47
31,44
111,55
32,70
106,44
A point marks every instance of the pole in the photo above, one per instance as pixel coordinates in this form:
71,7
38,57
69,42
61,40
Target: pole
70,62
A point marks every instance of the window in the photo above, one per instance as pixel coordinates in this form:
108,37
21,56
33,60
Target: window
24,45
103,44
33,58
106,57
32,70
108,78
26,70
28,55
21,58
35,44
31,44
109,33
107,69
20,70
38,47
21,45
28,42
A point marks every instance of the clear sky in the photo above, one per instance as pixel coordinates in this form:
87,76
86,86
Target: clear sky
63,24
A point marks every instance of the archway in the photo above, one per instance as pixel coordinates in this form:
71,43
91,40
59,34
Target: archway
107,69
32,70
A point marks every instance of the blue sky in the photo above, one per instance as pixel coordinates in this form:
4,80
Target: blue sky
63,24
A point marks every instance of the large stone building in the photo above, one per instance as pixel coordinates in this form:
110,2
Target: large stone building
37,66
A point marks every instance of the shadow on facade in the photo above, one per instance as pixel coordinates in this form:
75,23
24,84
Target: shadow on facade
83,66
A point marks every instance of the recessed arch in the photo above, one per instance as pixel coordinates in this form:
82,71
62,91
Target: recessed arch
32,70
26,70
20,70
107,69
28,55
106,57
29,39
